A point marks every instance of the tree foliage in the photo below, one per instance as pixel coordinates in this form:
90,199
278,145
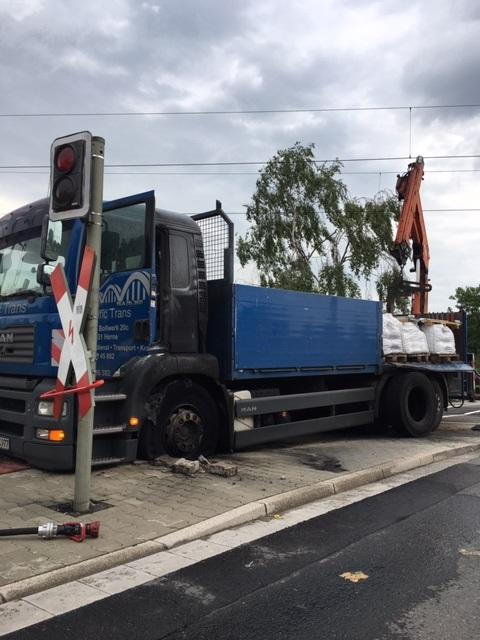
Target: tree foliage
391,291
468,299
307,233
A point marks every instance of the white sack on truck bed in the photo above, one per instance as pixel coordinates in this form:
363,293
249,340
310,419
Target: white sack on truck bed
413,339
440,338
392,335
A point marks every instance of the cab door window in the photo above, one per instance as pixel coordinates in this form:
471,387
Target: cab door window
179,263
123,240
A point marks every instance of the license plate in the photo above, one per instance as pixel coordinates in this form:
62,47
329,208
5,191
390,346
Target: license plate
4,443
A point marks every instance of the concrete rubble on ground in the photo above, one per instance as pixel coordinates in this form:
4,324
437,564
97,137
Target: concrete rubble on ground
191,467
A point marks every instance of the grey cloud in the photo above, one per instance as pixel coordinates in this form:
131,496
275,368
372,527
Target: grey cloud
443,66
160,54
454,81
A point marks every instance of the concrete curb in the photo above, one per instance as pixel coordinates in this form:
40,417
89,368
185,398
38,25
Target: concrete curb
296,497
235,517
16,590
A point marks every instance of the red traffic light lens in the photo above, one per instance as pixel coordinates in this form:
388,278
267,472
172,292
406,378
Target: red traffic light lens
66,159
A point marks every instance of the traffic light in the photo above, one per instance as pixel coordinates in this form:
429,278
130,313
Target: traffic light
70,176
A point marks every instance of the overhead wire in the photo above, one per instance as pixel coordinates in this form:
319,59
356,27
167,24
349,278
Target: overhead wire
27,169
244,213
124,165
232,173
216,112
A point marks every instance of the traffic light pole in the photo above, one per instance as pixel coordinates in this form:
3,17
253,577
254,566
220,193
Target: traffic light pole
83,466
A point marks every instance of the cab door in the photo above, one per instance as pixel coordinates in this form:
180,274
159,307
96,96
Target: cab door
127,315
184,293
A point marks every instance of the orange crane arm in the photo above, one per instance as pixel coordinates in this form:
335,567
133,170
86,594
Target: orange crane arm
411,240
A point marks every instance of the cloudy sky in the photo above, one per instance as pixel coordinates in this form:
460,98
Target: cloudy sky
211,55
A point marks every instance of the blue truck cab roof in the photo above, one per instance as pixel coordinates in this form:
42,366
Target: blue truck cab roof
32,214
25,217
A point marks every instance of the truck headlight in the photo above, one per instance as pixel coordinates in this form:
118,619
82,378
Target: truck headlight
45,408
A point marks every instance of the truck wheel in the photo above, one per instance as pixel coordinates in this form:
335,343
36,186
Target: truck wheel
187,421
413,404
438,404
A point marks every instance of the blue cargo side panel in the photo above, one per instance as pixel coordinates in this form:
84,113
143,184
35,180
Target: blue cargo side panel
280,333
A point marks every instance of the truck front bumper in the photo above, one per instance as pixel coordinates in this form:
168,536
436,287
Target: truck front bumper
19,421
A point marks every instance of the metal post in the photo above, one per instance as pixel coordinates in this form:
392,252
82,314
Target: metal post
83,467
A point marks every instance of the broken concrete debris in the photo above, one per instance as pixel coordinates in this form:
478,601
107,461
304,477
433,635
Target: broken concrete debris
191,467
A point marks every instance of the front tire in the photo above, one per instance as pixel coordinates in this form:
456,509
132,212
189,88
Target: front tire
186,424
413,405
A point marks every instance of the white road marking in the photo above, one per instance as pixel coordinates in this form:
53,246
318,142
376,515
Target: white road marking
458,415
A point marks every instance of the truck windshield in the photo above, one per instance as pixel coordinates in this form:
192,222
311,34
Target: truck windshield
19,259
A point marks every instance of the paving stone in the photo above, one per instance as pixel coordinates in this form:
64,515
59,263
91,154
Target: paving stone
244,534
65,597
117,579
14,615
162,563
197,550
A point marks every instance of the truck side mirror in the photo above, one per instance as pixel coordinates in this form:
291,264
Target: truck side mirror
44,271
51,239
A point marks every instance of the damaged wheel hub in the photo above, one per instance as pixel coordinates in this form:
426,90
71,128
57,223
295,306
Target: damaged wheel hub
185,430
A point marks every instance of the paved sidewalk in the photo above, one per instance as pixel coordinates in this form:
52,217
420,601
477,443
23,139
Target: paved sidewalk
55,601
147,502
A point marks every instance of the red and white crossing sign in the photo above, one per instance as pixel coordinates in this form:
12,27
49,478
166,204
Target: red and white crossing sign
73,351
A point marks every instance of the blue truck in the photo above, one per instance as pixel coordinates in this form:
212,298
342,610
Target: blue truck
192,362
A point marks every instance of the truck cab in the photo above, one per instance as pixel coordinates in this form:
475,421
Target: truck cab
152,324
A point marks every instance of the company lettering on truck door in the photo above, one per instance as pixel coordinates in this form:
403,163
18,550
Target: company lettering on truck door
123,329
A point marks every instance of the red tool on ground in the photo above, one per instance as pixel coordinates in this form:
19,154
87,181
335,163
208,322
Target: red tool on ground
77,531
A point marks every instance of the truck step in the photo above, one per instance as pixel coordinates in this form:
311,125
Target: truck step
100,431
110,397
100,462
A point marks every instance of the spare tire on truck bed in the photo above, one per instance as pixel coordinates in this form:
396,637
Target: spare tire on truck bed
412,402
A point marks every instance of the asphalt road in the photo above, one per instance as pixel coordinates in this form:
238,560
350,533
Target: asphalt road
419,545
468,408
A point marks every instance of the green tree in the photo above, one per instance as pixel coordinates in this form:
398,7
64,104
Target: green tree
468,299
391,291
306,232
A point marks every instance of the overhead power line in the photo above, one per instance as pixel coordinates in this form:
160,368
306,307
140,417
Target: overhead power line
233,173
243,213
145,165
231,112
154,173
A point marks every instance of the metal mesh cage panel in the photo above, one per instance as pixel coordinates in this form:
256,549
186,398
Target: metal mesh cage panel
216,239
